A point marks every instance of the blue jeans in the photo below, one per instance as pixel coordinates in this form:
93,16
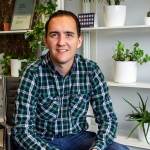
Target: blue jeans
81,141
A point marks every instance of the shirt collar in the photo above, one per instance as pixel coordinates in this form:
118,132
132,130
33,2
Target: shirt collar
50,64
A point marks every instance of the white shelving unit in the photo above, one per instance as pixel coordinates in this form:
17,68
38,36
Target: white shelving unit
121,134
94,47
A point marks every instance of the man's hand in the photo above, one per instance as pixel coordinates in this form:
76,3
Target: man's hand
94,149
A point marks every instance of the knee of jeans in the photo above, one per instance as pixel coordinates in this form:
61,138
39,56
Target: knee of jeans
117,146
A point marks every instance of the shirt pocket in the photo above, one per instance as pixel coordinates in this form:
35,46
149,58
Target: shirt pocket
79,104
48,108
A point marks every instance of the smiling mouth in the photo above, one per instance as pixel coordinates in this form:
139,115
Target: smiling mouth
62,50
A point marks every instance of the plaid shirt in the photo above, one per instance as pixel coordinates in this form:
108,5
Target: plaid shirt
49,104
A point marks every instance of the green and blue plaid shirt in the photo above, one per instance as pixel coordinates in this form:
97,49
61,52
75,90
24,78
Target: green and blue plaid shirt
49,104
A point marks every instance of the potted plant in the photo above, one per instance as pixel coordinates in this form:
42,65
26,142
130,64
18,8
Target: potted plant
141,115
147,19
11,64
6,23
114,13
125,62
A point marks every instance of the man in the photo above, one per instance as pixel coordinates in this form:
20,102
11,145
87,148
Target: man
55,92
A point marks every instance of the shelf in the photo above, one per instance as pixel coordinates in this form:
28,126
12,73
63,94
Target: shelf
14,32
133,85
133,141
121,137
119,27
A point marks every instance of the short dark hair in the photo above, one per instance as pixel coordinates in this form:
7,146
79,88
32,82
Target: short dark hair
64,13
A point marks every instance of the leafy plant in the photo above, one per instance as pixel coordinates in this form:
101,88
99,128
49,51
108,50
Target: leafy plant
45,8
108,2
141,115
120,54
38,32
7,20
148,14
6,62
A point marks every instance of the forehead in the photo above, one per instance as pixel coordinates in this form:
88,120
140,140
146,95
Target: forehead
64,22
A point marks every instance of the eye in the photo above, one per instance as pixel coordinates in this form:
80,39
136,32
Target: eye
69,34
54,34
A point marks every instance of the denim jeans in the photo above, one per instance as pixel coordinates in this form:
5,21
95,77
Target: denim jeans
80,141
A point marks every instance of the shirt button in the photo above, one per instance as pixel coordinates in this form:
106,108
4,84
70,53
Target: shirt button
65,93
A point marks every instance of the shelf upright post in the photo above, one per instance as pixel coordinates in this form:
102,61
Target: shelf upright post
89,37
86,34
93,33
60,4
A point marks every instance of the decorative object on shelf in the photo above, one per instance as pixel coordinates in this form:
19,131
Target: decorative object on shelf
23,14
125,72
15,66
147,19
44,9
142,117
7,64
7,22
114,13
125,64
88,20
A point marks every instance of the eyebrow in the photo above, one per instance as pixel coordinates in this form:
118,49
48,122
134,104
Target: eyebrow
64,32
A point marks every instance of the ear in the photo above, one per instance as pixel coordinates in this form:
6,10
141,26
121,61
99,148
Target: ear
45,41
79,41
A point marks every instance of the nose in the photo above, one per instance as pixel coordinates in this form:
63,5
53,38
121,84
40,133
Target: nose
61,41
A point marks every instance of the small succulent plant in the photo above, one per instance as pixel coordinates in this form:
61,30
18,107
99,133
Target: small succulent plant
148,14
7,20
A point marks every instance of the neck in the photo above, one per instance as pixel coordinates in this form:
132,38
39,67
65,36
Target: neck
63,69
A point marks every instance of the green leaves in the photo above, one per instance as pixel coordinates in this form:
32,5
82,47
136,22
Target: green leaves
38,32
47,8
141,115
6,62
148,14
120,54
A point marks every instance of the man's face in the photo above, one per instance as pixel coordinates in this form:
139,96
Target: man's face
62,40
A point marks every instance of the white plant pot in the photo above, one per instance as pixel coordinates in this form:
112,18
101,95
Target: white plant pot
125,72
147,20
15,66
141,133
114,15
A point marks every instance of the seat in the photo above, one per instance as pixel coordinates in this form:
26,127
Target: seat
9,89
